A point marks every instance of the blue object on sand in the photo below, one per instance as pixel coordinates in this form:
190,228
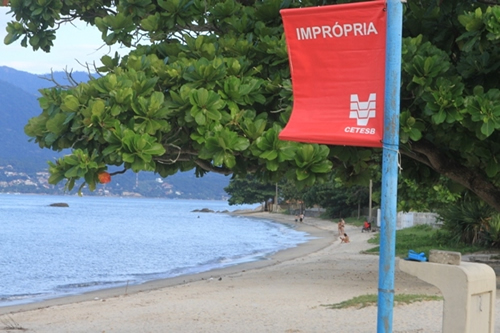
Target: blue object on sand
412,255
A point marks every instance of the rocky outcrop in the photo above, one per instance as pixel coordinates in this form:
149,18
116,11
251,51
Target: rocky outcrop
59,204
203,210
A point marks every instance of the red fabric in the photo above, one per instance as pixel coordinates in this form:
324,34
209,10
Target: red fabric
337,63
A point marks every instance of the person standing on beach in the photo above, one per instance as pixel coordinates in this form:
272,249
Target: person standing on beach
341,227
301,217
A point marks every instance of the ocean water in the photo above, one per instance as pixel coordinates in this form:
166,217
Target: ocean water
104,242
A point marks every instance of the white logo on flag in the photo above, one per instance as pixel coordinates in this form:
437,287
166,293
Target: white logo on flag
363,111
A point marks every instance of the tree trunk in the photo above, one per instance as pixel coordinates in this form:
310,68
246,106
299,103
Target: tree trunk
425,152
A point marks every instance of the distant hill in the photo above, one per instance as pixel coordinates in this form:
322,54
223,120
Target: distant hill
18,96
16,107
31,83
18,103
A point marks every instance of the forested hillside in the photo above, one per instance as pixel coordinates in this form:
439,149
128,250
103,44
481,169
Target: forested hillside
16,107
18,103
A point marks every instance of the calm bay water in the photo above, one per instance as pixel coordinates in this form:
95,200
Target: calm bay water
101,242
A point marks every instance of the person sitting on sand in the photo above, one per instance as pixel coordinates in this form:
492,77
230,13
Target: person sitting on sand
344,239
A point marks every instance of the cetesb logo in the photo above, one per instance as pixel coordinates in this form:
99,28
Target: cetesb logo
363,111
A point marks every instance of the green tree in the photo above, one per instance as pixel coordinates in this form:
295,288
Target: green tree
212,90
248,190
440,194
291,195
450,98
339,201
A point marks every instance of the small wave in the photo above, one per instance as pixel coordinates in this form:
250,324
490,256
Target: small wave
234,260
82,285
9,300
19,297
219,262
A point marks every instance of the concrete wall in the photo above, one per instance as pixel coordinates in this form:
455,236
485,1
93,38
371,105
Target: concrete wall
407,220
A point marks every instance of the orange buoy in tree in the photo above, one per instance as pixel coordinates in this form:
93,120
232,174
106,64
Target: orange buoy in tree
104,177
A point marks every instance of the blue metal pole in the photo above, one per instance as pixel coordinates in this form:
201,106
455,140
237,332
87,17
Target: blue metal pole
390,166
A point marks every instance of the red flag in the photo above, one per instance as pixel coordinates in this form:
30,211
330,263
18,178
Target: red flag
337,64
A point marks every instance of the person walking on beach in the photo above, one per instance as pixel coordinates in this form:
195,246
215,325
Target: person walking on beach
301,217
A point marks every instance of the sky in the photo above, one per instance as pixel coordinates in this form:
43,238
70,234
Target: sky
82,43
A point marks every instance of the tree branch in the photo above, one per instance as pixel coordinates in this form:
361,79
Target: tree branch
428,154
118,172
189,156
205,165
490,2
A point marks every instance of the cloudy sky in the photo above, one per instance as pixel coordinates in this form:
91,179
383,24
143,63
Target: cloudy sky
72,43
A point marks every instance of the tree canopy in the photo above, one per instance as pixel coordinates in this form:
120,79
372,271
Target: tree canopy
248,190
207,87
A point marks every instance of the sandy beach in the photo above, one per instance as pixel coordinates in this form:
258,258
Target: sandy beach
286,293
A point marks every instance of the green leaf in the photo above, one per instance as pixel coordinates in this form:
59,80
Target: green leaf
219,158
415,134
229,160
214,115
492,168
55,178
439,117
428,64
269,155
98,108
155,149
305,154
11,38
200,118
301,174
323,167
272,165
56,124
151,23
70,103
488,128
240,144
200,97
72,172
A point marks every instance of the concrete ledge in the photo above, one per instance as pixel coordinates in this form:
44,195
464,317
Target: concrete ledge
445,257
469,292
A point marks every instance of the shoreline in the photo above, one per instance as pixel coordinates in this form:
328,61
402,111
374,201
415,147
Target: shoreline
319,240
288,293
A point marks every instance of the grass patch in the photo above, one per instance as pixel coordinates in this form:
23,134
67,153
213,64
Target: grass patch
363,301
423,238
354,221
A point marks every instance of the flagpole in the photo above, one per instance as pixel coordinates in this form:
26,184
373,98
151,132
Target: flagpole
390,160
